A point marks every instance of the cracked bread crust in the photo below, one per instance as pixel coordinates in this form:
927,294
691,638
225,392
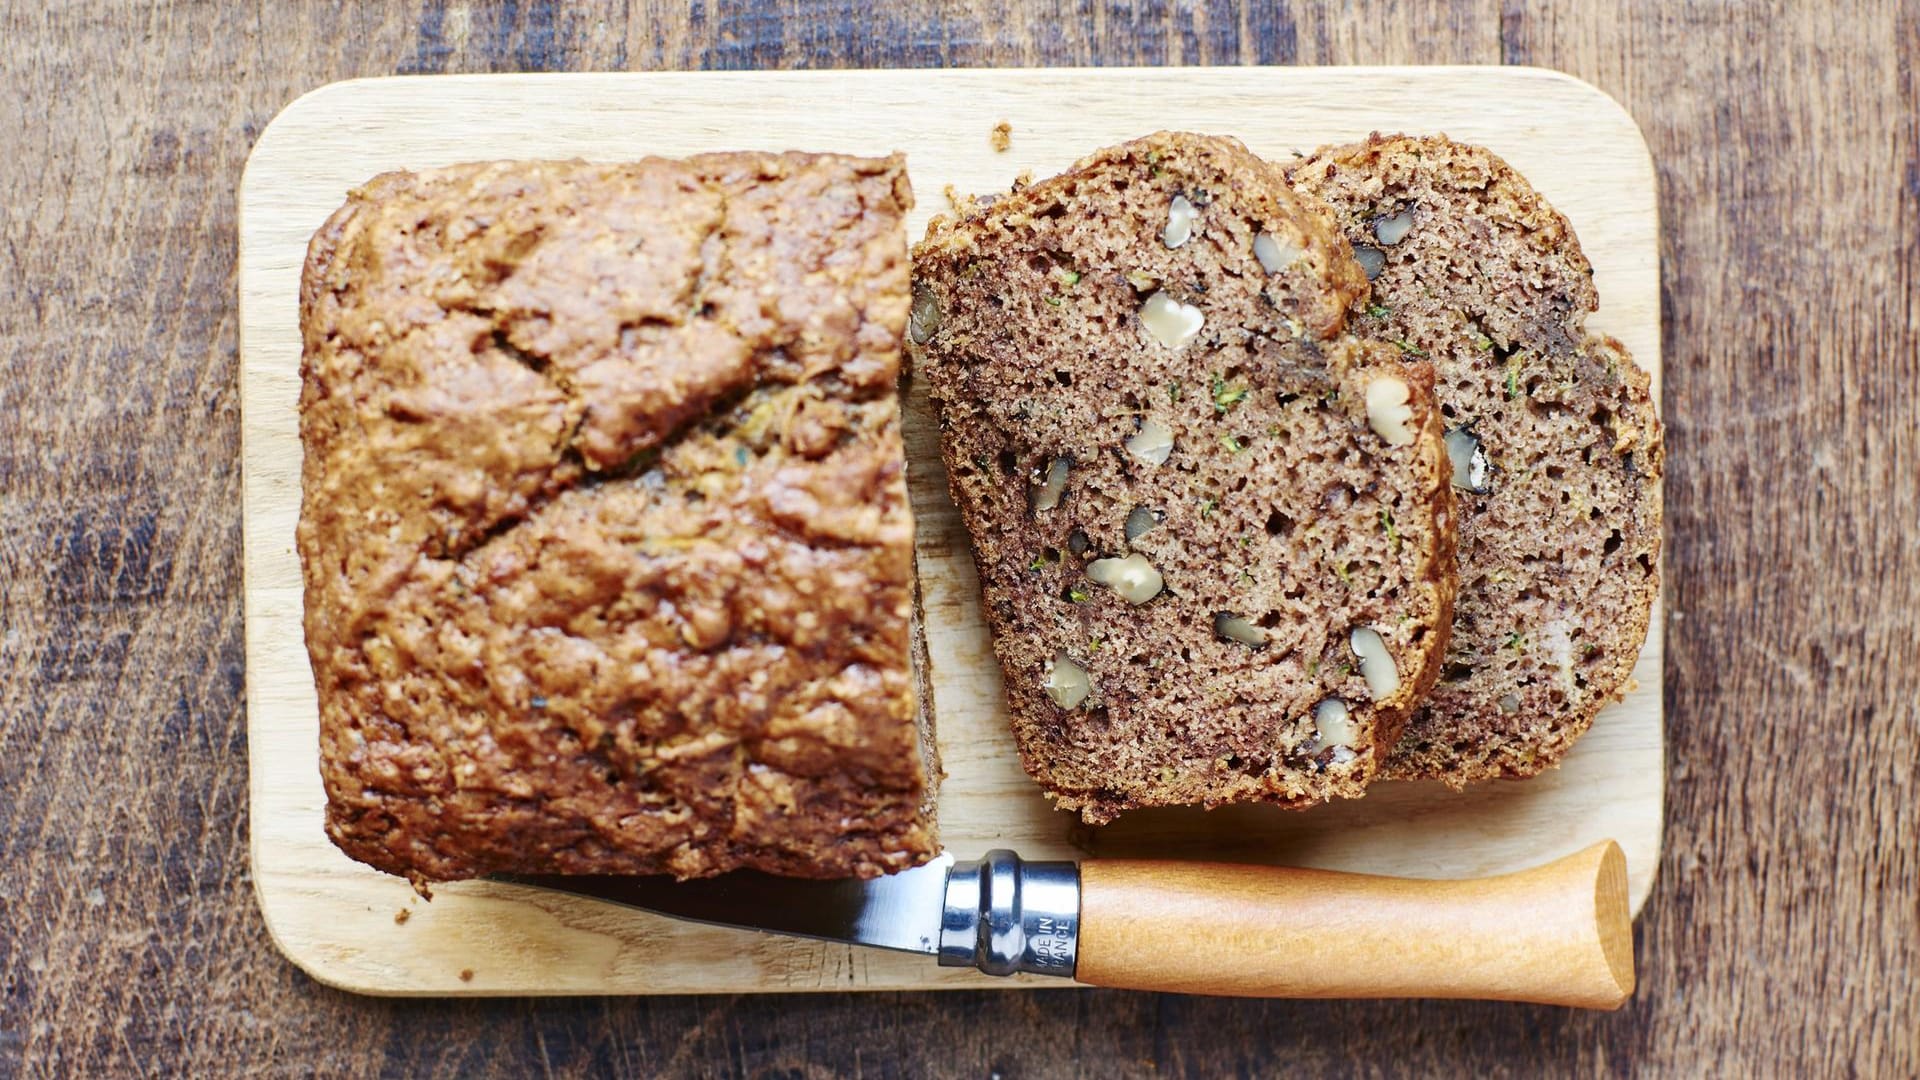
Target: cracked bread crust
605,535
1559,552
1277,503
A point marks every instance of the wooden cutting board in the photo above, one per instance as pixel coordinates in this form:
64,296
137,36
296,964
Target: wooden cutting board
341,921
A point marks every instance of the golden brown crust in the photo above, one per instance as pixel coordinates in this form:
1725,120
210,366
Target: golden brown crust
605,535
1559,551
1276,504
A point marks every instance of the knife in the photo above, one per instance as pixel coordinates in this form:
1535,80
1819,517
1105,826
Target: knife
1558,934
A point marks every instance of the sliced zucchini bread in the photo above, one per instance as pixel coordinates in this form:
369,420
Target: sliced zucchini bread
1214,533
1555,440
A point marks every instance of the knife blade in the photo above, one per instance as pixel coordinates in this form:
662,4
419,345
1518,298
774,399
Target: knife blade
1558,934
1001,913
899,911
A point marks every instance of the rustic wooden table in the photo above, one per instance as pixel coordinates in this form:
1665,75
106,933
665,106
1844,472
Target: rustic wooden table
1784,930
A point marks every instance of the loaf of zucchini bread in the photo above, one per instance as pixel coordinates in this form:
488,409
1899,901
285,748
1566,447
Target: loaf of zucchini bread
605,535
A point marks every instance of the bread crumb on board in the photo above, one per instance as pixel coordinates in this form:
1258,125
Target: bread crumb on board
1001,137
400,917
466,974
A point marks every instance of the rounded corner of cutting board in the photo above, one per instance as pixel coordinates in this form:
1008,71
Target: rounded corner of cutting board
298,932
307,156
1611,111
1575,85
285,125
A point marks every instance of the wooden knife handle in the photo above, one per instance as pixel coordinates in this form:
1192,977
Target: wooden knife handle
1559,934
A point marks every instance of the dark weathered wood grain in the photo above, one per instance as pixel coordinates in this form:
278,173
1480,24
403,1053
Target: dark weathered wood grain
1784,932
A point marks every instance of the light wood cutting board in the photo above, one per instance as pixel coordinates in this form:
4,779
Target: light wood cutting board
337,919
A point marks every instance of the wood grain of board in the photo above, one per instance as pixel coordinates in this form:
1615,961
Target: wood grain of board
336,919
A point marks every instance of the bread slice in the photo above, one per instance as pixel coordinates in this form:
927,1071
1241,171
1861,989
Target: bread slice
1183,508
1557,439
605,532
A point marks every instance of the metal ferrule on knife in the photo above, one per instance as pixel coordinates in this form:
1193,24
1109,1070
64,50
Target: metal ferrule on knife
1004,914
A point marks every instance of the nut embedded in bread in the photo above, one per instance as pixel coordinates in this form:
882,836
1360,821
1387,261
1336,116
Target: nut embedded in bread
1213,533
605,535
1555,437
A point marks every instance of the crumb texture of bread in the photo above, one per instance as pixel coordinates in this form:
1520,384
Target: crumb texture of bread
605,532
1558,443
1181,505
